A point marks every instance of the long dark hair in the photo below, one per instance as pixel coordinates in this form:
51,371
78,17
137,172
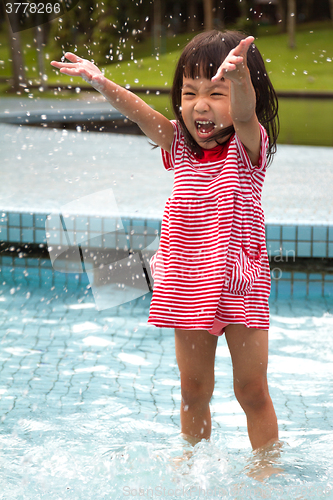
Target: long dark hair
202,56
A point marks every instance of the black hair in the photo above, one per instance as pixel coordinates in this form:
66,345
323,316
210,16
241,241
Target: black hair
202,57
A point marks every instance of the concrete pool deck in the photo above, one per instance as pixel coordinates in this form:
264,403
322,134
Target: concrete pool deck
43,169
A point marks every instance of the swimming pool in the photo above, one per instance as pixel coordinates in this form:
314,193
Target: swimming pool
90,402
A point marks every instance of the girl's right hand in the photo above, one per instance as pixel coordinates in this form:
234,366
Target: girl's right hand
81,67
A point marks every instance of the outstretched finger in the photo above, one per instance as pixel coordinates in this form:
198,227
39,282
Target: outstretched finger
73,57
230,64
243,46
58,64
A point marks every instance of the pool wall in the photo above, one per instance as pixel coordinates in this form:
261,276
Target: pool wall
301,255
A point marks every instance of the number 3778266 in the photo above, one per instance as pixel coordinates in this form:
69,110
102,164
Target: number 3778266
32,8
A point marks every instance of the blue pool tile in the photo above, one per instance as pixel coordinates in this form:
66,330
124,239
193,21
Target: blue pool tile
289,233
319,233
19,275
315,277
45,264
273,232
59,278
17,262
109,240
319,249
154,224
299,289
330,250
110,224
67,221
276,273
273,247
14,235
300,276
53,222
27,220
27,236
40,236
303,249
3,219
80,237
121,241
139,222
96,242
81,224
289,249
3,233
126,223
284,289
14,219
40,221
328,277
32,262
46,275
6,272
56,237
95,224
304,233
315,289
330,233
6,261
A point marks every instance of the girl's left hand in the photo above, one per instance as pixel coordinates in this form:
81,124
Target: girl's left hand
235,63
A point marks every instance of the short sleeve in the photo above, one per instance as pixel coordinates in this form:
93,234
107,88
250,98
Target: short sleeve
169,158
262,163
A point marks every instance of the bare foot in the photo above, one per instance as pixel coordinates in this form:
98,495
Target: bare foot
264,463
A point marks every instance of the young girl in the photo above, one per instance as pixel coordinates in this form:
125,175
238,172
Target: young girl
211,272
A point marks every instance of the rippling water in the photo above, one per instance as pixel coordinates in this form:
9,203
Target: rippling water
90,400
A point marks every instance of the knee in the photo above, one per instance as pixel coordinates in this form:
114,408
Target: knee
196,392
253,395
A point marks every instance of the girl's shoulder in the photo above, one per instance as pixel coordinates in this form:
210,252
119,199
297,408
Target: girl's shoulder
177,147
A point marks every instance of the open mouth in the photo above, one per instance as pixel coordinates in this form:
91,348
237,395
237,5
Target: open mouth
204,127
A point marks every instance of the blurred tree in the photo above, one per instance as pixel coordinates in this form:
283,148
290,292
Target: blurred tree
331,9
291,23
19,78
193,21
208,14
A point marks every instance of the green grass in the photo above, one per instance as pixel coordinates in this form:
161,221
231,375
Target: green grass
306,122
307,67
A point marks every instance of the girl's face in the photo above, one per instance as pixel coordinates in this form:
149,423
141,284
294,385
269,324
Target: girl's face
205,108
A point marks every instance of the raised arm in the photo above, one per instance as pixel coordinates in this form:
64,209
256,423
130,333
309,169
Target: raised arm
152,123
242,98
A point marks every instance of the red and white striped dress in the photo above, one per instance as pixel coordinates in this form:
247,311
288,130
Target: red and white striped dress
212,261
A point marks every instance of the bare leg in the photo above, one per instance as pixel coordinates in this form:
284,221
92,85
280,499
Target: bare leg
195,352
249,353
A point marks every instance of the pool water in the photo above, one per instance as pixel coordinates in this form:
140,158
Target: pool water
90,401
